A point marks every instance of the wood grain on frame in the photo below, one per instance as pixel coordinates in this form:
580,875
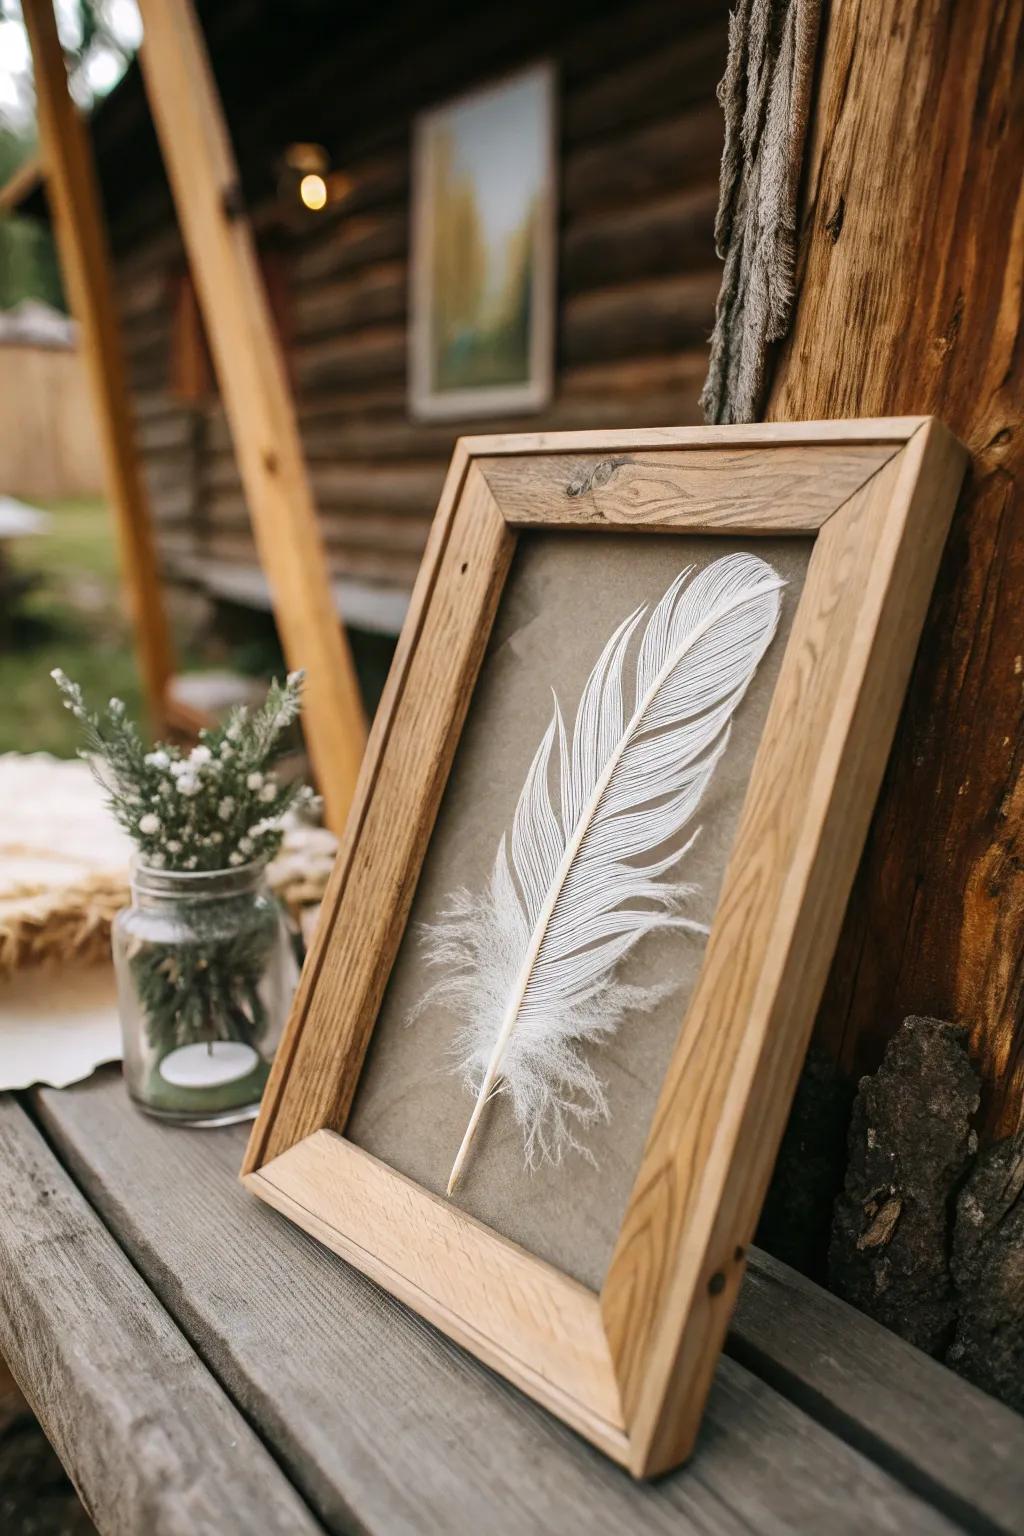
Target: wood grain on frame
631,1370
677,1265
718,490
421,720
525,1318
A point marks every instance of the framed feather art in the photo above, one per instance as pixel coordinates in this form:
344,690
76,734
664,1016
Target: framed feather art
546,1040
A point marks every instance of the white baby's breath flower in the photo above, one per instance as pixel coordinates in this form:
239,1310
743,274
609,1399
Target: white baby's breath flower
200,755
149,824
173,846
216,838
235,858
156,860
177,769
191,863
158,759
188,785
268,793
226,808
245,844
254,780
226,750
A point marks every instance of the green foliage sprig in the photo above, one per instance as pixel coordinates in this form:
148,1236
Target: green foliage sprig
215,807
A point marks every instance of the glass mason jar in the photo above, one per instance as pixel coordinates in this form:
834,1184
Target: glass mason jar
205,975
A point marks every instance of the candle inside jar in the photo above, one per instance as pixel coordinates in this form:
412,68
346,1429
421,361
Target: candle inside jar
208,1065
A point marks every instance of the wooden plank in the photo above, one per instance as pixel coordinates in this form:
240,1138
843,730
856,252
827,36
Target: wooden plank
913,240
204,180
956,1445
146,1434
74,198
386,1426
790,490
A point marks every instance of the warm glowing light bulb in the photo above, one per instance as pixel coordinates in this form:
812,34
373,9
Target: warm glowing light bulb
313,190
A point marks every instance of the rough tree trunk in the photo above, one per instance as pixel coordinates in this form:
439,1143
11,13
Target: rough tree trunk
909,297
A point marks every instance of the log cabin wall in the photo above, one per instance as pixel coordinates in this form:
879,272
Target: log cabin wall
639,145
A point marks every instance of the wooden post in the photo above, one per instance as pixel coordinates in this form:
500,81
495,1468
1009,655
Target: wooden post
909,300
207,193
74,198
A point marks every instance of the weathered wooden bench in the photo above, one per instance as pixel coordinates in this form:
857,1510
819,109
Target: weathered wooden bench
202,1366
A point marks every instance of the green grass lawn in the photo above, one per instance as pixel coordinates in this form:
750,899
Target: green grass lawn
73,617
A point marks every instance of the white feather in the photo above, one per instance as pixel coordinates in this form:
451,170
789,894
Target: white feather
529,966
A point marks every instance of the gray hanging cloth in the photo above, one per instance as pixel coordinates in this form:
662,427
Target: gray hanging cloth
765,96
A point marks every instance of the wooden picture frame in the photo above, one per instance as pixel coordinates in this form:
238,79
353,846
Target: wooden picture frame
630,1367
428,399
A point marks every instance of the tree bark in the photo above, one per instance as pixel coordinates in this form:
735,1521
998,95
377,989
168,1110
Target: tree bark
909,299
987,1267
910,1147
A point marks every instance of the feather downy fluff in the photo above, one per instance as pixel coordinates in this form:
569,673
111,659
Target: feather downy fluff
528,966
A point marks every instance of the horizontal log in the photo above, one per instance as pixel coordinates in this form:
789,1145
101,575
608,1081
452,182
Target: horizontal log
140,295
173,504
658,316
396,488
373,353
660,83
361,527
168,472
604,44
156,404
396,437
171,433
670,235
177,543
681,372
351,243
666,235
371,296
149,372
157,253
396,569
148,340
644,162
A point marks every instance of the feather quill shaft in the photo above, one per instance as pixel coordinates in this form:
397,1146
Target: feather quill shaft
582,826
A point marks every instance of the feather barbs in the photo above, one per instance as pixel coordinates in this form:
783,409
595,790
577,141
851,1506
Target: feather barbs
529,967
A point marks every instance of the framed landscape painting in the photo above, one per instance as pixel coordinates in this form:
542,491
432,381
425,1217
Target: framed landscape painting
482,296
